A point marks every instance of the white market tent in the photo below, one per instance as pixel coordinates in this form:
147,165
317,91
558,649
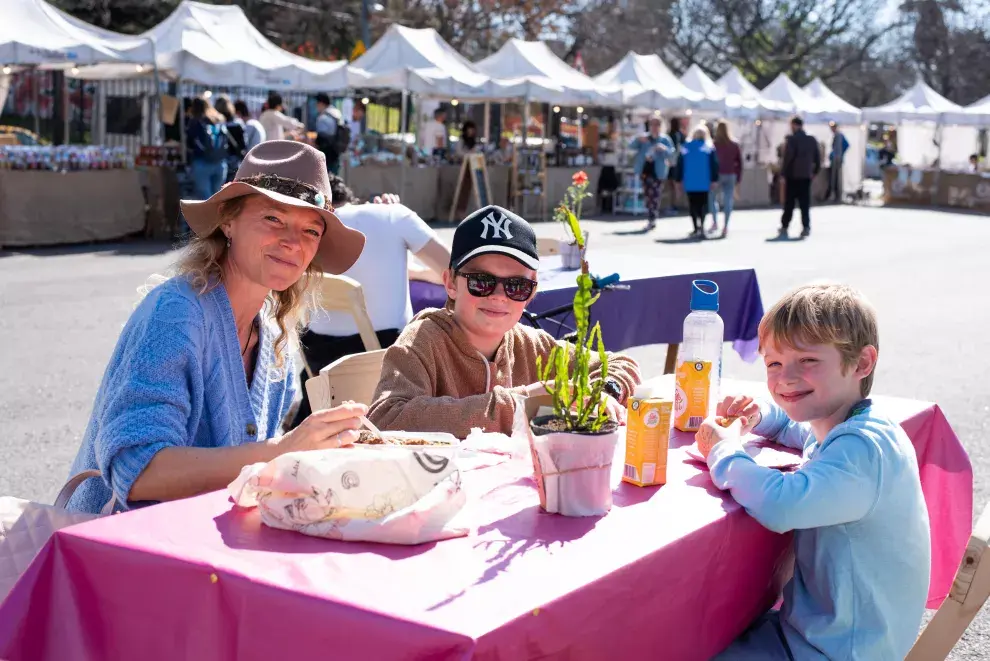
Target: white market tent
838,109
418,61
975,114
698,81
926,128
645,81
530,70
743,95
34,33
217,45
817,110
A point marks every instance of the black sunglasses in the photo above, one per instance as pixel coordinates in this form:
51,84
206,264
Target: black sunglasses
483,285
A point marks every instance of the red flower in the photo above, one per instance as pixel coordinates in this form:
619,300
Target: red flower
580,178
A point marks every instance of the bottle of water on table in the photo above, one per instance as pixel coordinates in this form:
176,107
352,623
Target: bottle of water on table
699,360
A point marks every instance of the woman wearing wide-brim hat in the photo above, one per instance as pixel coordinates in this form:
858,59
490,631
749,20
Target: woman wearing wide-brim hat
201,376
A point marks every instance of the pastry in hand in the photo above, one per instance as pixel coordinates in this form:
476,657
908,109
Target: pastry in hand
726,420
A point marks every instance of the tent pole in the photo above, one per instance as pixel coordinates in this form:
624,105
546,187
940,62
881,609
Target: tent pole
34,101
402,131
488,122
156,138
182,120
66,109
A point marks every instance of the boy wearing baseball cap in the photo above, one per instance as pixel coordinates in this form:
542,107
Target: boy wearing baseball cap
459,367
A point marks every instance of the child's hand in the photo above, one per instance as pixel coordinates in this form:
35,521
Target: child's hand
743,407
711,432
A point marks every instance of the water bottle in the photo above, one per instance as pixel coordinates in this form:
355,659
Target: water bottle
699,360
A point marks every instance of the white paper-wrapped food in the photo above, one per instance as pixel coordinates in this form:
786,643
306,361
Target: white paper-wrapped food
392,495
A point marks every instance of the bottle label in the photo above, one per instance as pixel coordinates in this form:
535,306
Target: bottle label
694,380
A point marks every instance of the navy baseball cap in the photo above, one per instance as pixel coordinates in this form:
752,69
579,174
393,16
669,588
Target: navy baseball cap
493,230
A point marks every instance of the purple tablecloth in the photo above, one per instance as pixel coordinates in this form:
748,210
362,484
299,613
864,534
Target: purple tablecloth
652,311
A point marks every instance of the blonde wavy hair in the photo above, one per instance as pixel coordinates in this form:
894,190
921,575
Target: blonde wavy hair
202,260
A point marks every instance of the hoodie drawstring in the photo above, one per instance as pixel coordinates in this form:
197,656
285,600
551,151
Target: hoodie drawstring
488,373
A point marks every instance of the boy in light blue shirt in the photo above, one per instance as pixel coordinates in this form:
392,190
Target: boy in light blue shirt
861,535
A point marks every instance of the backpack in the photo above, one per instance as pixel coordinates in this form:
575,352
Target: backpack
339,143
235,140
217,147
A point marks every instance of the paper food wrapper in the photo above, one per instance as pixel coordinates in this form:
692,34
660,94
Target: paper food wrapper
392,495
573,471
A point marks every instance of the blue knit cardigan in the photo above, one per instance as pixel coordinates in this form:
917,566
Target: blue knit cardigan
176,378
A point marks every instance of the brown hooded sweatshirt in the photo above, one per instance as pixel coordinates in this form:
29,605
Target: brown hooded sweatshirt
433,379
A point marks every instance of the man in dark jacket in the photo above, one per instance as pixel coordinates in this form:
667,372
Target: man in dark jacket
801,163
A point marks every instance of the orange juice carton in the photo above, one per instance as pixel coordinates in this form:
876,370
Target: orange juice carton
692,394
647,437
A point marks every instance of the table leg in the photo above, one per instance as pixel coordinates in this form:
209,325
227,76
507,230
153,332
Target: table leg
671,364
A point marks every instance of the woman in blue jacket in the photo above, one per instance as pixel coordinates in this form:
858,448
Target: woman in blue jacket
698,173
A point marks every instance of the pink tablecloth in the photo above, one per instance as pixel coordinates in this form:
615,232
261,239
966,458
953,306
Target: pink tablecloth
672,572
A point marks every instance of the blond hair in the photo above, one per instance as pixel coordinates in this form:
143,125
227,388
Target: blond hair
722,133
700,132
202,260
824,313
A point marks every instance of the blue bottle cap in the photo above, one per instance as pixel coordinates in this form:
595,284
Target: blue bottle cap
701,299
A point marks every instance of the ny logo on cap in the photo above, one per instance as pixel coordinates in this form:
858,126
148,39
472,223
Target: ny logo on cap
500,227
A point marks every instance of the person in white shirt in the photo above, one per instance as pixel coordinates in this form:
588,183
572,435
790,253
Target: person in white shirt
433,136
275,122
393,231
254,132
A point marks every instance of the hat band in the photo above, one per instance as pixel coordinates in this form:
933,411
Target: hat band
289,187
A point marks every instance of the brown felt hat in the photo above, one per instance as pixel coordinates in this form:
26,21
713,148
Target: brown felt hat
291,173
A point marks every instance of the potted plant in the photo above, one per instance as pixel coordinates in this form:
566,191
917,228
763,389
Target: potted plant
572,248
571,437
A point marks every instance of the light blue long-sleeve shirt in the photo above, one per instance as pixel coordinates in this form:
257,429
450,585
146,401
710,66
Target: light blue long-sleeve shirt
861,535
176,378
662,159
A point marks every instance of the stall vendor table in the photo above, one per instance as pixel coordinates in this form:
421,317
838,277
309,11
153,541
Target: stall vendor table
918,187
51,208
672,572
652,311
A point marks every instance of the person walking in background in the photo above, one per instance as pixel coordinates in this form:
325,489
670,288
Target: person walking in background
254,132
235,136
698,170
208,148
276,122
676,139
654,154
333,135
729,171
839,147
800,165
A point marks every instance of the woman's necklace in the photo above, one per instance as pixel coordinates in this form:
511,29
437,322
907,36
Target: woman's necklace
250,336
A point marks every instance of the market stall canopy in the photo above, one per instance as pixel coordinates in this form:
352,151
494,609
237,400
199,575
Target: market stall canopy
743,97
418,61
645,81
217,45
789,94
838,109
529,69
920,103
976,114
34,33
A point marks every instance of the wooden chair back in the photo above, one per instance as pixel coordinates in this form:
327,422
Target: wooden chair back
351,378
969,592
339,293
